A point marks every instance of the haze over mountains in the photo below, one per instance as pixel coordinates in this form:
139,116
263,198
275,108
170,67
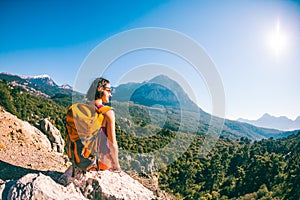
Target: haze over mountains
268,167
269,121
161,92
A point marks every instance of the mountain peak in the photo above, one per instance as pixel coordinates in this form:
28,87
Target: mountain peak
297,119
269,121
42,76
160,77
267,116
160,90
7,73
41,79
37,84
66,86
164,80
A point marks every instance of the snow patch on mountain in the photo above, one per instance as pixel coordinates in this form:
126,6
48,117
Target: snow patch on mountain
42,76
66,86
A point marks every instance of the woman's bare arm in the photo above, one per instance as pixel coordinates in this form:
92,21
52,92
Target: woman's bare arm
111,133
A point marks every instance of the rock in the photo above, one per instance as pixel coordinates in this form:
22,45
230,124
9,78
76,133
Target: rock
141,163
39,186
107,185
2,146
34,135
21,132
2,187
53,135
91,185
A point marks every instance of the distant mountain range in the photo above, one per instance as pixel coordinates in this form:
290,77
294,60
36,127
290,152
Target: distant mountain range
166,92
269,121
41,85
161,91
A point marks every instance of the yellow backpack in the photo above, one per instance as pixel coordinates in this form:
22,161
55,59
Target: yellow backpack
83,122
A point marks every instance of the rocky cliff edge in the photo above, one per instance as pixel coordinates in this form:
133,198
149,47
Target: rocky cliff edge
30,168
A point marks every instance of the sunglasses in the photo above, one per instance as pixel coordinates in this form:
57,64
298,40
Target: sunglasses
109,89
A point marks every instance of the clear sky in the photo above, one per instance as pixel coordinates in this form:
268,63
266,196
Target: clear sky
255,45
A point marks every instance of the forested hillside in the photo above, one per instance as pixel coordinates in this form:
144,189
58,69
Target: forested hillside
268,169
234,169
31,108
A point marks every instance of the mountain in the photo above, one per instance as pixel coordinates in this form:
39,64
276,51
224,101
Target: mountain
167,93
152,95
66,86
40,80
41,85
160,90
235,168
297,120
269,121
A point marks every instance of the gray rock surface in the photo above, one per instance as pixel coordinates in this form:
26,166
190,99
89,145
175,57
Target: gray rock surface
53,135
91,185
107,185
22,132
39,186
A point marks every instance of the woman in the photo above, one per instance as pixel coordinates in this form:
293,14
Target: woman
98,94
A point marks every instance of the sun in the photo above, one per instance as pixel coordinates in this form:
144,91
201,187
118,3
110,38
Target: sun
278,40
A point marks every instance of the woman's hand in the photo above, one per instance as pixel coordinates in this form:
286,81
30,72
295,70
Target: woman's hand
116,169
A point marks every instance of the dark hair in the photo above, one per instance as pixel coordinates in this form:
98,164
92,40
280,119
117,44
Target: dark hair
93,93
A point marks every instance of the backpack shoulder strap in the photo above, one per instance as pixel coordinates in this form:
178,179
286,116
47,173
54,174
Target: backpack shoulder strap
82,110
104,109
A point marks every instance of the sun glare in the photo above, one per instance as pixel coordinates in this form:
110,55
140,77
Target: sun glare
278,40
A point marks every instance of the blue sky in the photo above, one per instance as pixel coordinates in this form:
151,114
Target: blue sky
255,45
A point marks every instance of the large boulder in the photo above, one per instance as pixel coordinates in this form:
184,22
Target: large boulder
23,146
91,185
53,135
34,135
107,185
39,186
16,131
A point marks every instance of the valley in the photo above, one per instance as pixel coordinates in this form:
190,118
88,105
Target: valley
166,141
